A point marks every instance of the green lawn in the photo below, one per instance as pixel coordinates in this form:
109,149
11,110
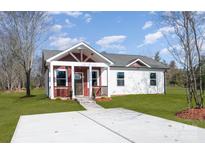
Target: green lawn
12,105
164,106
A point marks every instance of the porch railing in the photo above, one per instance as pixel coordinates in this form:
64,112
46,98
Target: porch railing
100,91
62,91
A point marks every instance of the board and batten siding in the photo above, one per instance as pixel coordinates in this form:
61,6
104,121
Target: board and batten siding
136,82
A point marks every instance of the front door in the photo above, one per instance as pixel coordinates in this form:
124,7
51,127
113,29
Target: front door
78,83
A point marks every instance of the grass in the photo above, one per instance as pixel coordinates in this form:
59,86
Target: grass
164,106
12,105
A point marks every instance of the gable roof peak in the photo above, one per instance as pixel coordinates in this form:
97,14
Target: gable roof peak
136,60
76,46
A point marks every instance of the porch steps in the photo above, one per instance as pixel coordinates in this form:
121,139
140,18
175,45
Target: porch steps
88,103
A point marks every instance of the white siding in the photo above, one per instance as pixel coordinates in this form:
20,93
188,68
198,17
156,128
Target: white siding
46,82
136,82
104,76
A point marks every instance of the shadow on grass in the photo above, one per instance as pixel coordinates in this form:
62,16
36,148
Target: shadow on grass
22,97
33,98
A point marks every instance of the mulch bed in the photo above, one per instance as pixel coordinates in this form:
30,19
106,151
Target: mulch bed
192,114
106,99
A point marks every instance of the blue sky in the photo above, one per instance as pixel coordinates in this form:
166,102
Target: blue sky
115,32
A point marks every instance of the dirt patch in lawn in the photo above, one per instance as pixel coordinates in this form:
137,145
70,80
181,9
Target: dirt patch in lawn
192,114
103,99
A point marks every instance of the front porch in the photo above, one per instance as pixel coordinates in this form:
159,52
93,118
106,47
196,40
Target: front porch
73,79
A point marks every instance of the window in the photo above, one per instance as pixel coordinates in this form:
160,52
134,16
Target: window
61,78
153,81
94,78
78,76
120,79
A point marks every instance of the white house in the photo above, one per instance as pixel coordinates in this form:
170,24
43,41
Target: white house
83,71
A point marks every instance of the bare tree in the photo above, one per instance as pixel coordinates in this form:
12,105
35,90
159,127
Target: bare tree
186,47
7,62
37,75
157,56
174,75
25,29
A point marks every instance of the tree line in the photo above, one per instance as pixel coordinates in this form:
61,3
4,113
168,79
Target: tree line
175,76
21,34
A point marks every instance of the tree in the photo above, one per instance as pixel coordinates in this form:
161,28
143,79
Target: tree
171,73
172,65
37,75
10,70
175,76
25,29
203,73
157,57
164,62
186,48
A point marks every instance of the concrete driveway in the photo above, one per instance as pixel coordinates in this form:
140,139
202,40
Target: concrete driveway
103,125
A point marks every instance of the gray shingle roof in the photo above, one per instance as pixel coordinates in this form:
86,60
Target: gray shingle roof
124,59
49,53
119,60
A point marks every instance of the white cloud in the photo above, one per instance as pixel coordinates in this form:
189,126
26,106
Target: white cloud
74,14
147,24
166,29
56,28
69,24
87,18
203,49
153,37
111,39
63,41
152,12
200,12
167,13
112,42
164,51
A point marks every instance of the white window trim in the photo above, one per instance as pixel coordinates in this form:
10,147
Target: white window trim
121,79
61,69
98,78
152,79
